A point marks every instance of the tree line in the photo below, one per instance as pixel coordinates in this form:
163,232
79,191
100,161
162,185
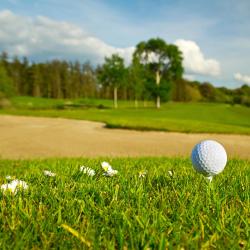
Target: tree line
155,73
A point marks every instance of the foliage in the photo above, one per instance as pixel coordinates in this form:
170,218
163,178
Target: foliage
171,207
6,84
112,73
207,91
137,80
188,91
61,80
192,94
56,79
163,60
163,90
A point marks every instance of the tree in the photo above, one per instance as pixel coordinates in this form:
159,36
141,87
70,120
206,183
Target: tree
163,60
207,91
112,74
6,83
16,71
4,59
136,77
65,79
55,79
179,92
88,80
76,79
192,93
37,80
25,76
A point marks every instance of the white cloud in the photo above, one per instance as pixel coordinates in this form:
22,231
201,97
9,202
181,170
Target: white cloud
40,36
242,78
189,77
194,60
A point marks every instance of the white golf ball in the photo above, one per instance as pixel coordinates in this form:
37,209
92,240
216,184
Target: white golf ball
209,158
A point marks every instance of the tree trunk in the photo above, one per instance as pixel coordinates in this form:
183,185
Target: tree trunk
36,91
158,102
115,97
158,79
136,103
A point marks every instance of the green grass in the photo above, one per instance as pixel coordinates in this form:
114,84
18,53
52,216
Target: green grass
36,103
74,211
180,117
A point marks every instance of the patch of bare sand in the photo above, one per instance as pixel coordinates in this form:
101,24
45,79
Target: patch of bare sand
32,137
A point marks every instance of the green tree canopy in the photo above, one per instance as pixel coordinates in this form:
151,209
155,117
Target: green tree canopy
163,60
137,80
6,83
112,73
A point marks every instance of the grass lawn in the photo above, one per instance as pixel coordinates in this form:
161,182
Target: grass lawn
174,210
180,117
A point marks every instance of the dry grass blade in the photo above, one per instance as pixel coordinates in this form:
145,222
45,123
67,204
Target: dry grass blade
76,234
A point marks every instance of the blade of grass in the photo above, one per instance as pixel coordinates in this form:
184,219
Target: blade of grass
76,234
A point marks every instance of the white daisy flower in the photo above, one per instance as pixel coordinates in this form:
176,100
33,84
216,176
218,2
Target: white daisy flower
106,166
142,174
14,186
88,171
7,187
49,173
109,171
20,184
8,177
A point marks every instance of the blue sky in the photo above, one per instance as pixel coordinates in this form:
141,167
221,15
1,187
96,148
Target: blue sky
213,35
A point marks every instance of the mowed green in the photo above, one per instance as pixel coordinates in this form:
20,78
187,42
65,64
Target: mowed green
175,210
179,117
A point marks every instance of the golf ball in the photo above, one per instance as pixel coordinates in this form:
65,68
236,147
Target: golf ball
209,158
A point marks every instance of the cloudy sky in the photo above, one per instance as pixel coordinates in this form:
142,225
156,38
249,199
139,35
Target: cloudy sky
214,36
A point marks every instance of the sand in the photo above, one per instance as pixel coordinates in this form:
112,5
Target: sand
32,137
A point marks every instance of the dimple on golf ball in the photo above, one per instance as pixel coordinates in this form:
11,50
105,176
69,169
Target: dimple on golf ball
209,158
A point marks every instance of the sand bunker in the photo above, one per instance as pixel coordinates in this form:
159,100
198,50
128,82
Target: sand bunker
32,137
